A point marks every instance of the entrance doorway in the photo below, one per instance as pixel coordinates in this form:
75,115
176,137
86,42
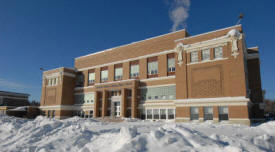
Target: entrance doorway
117,108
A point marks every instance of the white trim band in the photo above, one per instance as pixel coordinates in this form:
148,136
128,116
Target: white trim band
154,86
219,99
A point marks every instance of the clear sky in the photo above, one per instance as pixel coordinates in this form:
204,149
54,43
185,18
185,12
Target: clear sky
51,33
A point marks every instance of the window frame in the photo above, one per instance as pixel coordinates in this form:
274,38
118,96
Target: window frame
151,68
134,74
118,77
191,57
204,55
105,79
89,80
170,68
216,49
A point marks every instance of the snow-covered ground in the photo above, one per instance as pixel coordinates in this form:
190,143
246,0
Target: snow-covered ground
76,134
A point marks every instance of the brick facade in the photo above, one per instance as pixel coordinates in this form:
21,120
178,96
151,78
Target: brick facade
226,82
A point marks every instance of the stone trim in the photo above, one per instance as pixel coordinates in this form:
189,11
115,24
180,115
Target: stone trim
207,61
219,99
158,78
153,86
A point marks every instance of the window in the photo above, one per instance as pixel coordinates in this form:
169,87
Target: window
52,81
218,52
162,113
171,65
142,114
91,78
194,113
49,113
158,93
171,113
118,73
194,57
223,113
205,54
53,113
79,80
81,114
56,82
89,97
84,98
79,99
134,71
91,114
208,113
156,113
149,113
104,75
152,68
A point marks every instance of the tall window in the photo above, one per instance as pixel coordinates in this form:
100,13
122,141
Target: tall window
194,57
208,113
91,114
152,68
149,113
118,73
104,76
142,114
53,113
134,71
194,113
156,113
205,54
218,52
171,113
79,80
171,65
162,113
91,78
223,113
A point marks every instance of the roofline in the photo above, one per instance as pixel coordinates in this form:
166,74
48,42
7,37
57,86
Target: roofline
106,50
8,92
57,69
189,37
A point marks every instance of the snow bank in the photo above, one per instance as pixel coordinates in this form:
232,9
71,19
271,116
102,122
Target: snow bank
76,134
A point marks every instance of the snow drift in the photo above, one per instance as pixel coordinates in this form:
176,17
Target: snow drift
76,134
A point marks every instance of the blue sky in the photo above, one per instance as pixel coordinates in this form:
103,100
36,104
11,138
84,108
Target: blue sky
50,34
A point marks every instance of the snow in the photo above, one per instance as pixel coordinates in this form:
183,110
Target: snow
77,134
23,108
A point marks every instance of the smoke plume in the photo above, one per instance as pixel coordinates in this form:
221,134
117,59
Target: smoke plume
178,13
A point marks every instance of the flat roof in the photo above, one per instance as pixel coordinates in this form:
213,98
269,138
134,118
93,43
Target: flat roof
14,93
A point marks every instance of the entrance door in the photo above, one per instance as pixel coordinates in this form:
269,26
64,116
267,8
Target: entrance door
117,109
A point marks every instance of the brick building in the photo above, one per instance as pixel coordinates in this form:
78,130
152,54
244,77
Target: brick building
210,76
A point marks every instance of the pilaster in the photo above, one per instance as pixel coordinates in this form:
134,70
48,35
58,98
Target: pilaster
134,103
104,103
